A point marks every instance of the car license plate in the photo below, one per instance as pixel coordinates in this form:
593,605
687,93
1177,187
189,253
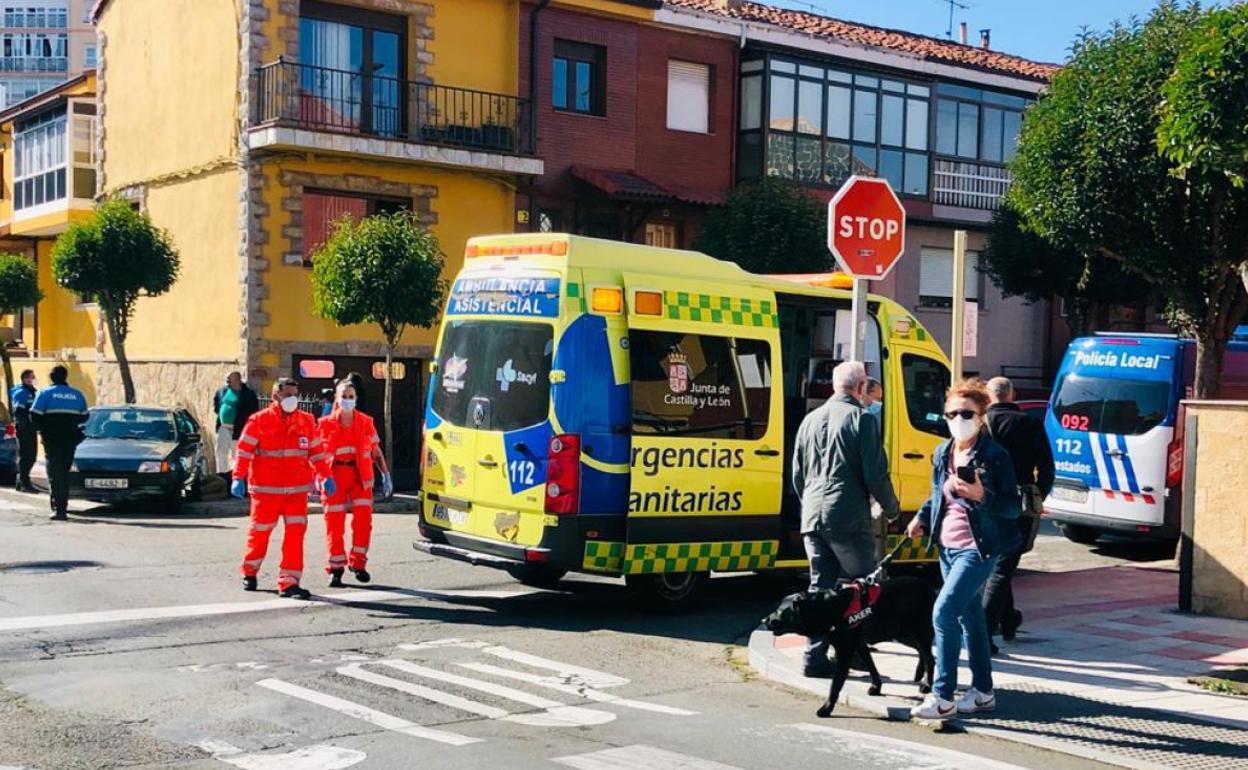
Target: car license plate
107,483
452,516
1068,495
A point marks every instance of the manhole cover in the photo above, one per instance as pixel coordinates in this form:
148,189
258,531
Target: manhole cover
42,567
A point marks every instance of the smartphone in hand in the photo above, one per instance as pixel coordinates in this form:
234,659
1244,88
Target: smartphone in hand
966,473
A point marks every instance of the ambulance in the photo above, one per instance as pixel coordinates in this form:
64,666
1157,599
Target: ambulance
624,410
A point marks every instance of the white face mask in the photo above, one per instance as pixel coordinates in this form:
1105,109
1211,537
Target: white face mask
289,404
962,429
346,404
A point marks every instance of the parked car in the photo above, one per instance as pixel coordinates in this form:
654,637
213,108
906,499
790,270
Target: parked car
136,454
1035,408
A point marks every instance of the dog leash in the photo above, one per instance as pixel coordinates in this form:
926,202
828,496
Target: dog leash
883,565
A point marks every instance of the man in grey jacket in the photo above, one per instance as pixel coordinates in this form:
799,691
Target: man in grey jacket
838,466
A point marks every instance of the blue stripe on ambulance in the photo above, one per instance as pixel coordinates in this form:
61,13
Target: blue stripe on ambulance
1126,465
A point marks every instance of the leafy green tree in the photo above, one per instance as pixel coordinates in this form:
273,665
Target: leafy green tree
19,288
384,270
114,258
770,226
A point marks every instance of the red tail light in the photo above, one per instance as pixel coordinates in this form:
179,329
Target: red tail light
1174,463
563,474
10,431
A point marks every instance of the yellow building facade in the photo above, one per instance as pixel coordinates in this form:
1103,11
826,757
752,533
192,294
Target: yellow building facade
245,128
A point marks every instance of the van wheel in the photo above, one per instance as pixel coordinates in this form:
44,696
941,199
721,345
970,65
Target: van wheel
537,576
665,592
1082,535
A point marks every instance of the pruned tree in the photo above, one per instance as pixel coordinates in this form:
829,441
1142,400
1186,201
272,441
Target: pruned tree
19,288
114,258
770,226
384,270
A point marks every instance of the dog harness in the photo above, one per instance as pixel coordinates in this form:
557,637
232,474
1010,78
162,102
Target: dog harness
863,604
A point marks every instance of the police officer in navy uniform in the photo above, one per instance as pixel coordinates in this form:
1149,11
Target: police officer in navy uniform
59,412
22,397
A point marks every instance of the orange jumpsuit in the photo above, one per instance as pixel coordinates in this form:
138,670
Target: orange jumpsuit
352,452
279,455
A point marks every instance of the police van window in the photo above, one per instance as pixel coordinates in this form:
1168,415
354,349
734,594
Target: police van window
925,381
700,385
501,367
1110,405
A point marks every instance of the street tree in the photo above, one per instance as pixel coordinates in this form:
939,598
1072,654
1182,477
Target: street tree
1089,178
113,258
770,226
385,270
19,288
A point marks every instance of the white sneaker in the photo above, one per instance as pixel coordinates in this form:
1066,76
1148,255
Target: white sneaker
934,707
973,700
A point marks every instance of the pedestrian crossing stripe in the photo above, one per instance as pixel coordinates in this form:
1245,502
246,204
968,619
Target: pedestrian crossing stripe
730,556
711,308
603,556
914,550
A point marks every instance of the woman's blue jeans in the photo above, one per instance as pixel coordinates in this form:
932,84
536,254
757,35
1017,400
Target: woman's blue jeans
959,612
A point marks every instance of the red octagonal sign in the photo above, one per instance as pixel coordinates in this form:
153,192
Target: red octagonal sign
866,227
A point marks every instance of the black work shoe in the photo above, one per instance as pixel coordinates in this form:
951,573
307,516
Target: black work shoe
335,578
59,516
816,671
361,575
1009,632
295,592
249,582
992,646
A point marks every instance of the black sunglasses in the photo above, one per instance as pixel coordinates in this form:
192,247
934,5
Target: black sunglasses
965,414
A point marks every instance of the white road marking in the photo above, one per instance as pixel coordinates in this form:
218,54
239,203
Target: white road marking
435,644
571,714
366,714
573,674
318,757
561,685
349,598
639,757
877,749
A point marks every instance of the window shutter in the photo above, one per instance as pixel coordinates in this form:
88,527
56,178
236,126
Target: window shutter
936,273
320,212
688,96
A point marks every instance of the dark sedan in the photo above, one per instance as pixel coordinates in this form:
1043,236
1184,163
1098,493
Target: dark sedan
136,454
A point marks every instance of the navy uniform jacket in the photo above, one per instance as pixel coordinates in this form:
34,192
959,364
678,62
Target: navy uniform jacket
59,412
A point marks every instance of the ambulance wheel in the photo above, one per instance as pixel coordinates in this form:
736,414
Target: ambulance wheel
665,592
537,576
1076,533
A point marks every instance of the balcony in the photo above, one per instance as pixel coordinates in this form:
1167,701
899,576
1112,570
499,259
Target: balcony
34,64
969,185
354,113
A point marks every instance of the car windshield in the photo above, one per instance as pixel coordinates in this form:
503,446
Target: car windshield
1111,405
138,424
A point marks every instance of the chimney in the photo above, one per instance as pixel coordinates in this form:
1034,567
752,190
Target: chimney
962,33
985,37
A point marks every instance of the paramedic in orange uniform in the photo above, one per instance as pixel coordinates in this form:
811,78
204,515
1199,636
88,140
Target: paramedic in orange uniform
279,457
350,437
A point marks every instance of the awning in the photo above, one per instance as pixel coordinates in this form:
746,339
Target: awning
631,186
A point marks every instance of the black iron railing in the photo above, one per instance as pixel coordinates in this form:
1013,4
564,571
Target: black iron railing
341,101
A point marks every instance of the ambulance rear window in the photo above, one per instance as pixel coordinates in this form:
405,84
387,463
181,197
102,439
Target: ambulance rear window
494,375
1110,405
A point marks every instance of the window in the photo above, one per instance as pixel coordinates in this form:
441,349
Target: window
398,370
664,235
976,124
549,221
699,385
579,78
314,369
322,210
351,64
37,16
924,381
40,146
493,375
20,89
936,277
89,56
1110,405
82,146
34,52
688,97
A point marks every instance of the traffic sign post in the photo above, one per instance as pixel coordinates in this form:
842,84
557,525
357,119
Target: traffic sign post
867,235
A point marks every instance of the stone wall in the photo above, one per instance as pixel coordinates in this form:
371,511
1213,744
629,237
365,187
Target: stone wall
1218,512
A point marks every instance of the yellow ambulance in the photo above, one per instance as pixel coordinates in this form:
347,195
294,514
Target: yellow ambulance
619,409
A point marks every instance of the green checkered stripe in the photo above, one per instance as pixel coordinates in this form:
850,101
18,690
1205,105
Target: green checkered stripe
700,557
709,308
603,556
913,550
916,331
576,297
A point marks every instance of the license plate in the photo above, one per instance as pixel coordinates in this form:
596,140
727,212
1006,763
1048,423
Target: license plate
452,516
107,483
1067,495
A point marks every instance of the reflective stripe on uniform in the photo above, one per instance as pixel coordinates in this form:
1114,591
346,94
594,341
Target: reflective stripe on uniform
335,508
362,501
281,453
358,549
302,489
248,439
316,442
262,527
253,563
338,559
345,450
290,574
243,453
319,456
296,519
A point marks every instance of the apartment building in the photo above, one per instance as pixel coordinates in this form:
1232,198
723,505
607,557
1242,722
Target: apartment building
42,44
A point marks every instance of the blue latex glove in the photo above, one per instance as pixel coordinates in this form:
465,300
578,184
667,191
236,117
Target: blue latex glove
238,489
387,486
328,487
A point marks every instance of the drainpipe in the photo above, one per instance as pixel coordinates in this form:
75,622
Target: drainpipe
533,28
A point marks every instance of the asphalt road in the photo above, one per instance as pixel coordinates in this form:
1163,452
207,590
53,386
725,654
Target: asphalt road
125,641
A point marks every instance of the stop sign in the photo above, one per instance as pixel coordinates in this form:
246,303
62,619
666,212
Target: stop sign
866,227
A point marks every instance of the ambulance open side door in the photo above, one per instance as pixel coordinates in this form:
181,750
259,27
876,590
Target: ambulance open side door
707,427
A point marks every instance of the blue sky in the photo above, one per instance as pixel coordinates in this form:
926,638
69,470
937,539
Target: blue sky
1037,30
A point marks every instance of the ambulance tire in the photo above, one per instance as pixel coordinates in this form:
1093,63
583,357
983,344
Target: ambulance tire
536,576
665,592
1076,533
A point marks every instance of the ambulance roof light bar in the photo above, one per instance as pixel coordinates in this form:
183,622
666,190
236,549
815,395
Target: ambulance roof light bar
548,248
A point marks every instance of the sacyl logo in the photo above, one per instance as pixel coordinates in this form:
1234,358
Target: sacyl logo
507,374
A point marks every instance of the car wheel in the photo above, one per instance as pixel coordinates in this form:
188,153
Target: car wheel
666,592
196,491
1077,533
537,576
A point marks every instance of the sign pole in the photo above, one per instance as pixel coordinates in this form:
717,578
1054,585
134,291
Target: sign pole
959,305
858,310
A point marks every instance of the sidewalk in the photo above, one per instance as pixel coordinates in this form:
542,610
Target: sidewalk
229,506
1099,669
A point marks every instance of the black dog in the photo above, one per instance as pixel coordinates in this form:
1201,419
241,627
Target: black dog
902,613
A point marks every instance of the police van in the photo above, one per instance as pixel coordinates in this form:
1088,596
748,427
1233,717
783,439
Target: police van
625,410
1115,428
